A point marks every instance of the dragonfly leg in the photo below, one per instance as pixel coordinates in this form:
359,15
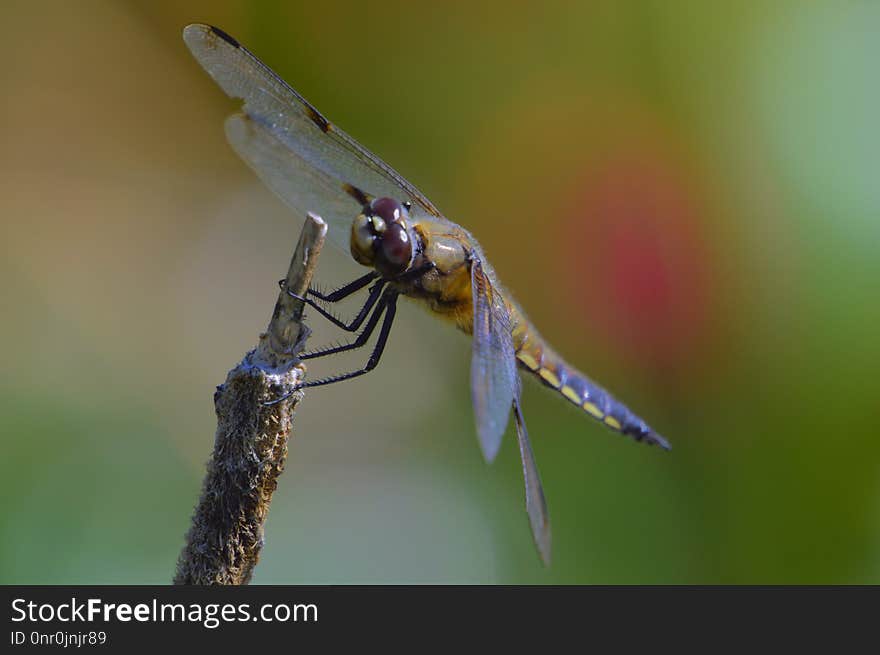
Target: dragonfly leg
361,339
335,296
388,305
355,323
346,290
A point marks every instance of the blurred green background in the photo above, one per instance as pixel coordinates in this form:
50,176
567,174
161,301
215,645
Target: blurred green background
684,196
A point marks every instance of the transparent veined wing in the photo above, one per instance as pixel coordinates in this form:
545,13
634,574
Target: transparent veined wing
303,187
494,378
284,115
536,506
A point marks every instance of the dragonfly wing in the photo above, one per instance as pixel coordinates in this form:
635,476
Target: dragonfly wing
494,378
536,506
303,187
297,126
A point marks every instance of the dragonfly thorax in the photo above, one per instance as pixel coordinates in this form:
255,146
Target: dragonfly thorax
381,237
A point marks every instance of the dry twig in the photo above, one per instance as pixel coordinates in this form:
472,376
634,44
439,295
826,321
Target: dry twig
250,446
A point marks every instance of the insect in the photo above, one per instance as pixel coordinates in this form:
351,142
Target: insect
412,250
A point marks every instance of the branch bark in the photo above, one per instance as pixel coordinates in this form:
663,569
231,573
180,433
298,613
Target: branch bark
250,446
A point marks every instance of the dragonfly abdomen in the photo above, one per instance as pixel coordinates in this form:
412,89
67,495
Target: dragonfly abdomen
539,359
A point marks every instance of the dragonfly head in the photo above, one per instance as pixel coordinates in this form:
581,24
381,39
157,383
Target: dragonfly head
381,238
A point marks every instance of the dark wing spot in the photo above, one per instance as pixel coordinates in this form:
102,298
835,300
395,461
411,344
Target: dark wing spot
362,197
223,35
322,123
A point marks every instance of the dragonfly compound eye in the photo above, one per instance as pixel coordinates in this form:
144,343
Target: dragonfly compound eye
388,209
396,247
363,237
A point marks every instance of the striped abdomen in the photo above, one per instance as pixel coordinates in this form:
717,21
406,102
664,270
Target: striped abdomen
535,356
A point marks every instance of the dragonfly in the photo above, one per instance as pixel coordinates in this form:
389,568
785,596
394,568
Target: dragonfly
411,249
